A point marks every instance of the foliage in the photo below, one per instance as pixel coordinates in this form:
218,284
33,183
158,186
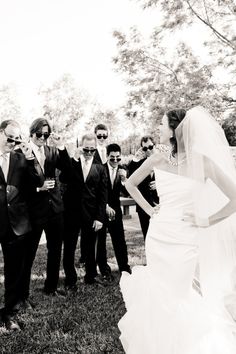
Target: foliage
163,72
81,323
9,107
64,105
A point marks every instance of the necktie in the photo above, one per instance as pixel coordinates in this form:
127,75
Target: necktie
113,176
41,157
85,169
103,155
4,165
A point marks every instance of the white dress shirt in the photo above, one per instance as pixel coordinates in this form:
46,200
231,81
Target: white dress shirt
112,173
39,153
103,153
86,166
4,163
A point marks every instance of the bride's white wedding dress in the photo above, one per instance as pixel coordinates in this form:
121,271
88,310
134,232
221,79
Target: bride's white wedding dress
165,315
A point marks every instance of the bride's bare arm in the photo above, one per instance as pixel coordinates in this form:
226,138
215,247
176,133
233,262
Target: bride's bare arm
137,177
228,187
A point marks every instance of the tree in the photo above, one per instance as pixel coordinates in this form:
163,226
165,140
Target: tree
218,20
9,107
64,105
164,73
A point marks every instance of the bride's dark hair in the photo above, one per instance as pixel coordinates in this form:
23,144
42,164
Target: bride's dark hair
175,117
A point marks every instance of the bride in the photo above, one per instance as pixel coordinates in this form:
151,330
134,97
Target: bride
191,236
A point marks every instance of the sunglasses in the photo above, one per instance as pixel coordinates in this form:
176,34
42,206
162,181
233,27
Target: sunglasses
45,135
112,159
100,136
150,147
12,140
89,151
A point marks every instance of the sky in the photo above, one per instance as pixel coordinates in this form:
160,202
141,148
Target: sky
43,39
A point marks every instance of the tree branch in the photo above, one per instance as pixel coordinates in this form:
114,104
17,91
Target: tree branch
217,33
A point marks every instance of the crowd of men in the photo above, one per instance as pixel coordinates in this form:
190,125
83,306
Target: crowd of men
31,202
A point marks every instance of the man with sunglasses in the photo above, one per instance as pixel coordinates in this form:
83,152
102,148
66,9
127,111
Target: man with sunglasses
46,206
147,187
85,201
18,177
114,223
101,133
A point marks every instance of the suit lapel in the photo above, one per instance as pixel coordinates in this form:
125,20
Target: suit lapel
12,165
108,176
37,166
79,171
91,171
2,176
47,158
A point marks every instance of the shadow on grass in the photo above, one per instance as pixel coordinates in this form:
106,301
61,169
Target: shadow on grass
84,323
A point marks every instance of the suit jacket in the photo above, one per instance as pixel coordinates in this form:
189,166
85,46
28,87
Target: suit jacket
115,191
85,200
150,195
46,203
14,211
97,158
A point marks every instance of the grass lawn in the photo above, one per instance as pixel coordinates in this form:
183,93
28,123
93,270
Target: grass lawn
83,323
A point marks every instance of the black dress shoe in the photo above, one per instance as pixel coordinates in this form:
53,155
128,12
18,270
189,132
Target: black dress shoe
23,305
108,278
56,293
96,280
11,325
71,288
126,269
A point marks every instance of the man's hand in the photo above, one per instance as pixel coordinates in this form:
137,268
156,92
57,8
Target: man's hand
27,150
57,141
152,185
48,184
123,174
110,213
97,225
139,155
78,153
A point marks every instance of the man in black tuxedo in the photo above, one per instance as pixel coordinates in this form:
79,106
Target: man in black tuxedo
17,177
101,133
147,187
85,207
46,205
114,222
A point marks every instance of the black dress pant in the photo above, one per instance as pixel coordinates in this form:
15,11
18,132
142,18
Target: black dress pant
13,249
116,231
74,226
144,219
53,228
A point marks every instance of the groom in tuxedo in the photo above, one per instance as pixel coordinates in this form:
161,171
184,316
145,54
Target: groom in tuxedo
46,206
113,222
85,201
17,177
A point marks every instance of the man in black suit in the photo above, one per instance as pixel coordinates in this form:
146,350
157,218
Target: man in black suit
114,222
101,133
17,177
85,207
147,187
46,205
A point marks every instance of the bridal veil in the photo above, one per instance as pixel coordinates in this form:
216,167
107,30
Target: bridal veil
201,141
